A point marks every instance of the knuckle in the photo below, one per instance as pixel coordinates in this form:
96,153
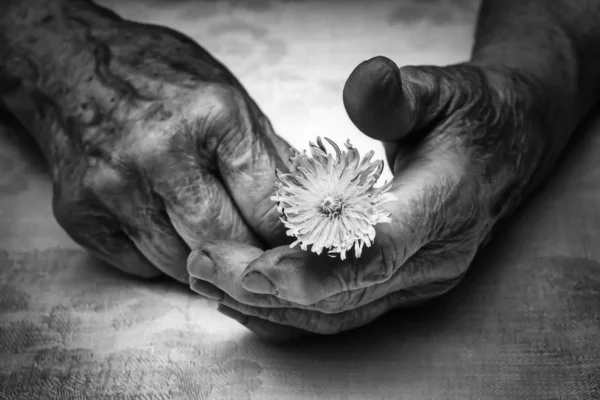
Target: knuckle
225,99
193,255
101,178
235,140
208,124
221,102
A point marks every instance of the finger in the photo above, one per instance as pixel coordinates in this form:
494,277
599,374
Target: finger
248,154
217,269
196,202
306,279
99,233
206,289
265,330
220,266
388,103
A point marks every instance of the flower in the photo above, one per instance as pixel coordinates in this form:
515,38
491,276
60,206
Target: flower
331,203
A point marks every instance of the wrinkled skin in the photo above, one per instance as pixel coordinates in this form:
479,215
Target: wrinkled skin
154,147
464,142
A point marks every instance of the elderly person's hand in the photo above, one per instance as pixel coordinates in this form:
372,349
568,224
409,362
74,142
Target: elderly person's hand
154,147
464,142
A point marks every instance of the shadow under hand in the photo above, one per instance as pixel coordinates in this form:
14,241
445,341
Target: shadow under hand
26,148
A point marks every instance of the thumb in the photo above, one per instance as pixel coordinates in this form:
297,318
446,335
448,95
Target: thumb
388,103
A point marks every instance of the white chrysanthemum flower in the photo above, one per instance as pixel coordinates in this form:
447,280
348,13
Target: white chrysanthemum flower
330,202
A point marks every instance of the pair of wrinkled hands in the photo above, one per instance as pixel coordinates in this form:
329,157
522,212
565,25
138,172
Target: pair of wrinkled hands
183,189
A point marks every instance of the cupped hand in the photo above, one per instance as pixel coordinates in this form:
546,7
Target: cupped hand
153,145
464,143
177,173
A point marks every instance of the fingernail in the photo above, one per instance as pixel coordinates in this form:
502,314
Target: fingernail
231,313
206,289
201,266
258,283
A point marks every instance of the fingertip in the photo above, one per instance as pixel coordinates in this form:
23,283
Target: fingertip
288,273
200,265
373,99
221,261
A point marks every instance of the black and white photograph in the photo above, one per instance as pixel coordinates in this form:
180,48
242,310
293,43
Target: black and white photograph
299,199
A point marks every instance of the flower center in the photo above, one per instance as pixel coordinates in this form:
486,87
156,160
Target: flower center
332,207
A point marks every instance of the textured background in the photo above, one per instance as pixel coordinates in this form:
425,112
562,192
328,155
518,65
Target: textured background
524,324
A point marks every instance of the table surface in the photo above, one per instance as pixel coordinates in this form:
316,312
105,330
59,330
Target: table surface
524,323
